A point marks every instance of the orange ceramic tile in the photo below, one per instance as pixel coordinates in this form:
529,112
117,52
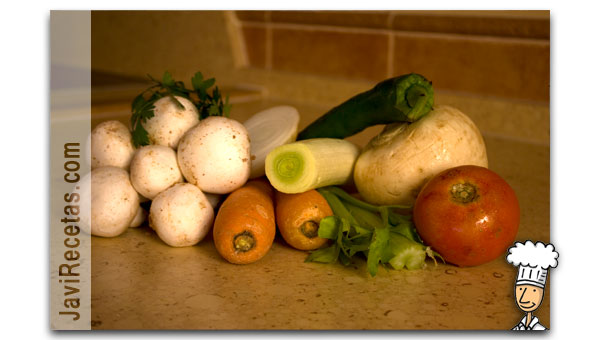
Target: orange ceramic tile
260,16
255,39
362,19
524,24
334,53
137,43
490,23
511,68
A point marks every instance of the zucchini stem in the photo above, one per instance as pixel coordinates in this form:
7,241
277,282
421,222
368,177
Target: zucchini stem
401,99
416,98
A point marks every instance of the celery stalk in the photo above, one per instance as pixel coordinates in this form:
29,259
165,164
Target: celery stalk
379,232
407,253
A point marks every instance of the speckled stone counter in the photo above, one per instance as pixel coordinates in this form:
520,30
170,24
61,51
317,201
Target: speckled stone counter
138,282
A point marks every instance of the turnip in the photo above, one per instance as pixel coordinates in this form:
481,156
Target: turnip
396,164
181,215
153,169
171,121
215,155
114,202
111,145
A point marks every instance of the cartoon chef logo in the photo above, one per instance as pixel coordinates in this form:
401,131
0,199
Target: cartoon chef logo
533,262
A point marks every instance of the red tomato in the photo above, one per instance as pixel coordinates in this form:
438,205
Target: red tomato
468,214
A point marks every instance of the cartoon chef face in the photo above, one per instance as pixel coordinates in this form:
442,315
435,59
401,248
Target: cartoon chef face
529,297
533,262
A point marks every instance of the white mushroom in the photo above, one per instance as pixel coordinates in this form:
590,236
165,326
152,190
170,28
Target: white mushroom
215,155
142,198
111,145
213,199
171,121
153,169
181,215
114,202
140,217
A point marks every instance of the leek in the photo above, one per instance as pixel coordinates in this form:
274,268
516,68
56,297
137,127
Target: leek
309,164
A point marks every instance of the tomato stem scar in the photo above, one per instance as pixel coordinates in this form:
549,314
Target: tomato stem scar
464,192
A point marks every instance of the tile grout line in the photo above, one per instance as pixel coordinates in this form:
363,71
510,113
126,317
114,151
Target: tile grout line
390,54
362,30
268,42
235,31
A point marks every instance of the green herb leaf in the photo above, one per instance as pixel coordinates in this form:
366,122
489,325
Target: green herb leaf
138,102
329,228
216,95
338,208
140,136
359,245
197,80
344,258
177,102
226,107
381,233
324,255
380,241
199,86
208,83
142,106
167,79
213,110
142,110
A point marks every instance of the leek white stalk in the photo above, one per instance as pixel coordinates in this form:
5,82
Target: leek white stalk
269,129
309,164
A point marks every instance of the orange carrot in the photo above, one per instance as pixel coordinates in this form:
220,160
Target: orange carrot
244,228
298,217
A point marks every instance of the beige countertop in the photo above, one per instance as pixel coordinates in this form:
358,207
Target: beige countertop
139,282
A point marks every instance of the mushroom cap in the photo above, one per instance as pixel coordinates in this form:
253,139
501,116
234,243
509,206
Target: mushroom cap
171,122
113,202
140,217
111,145
215,155
153,169
181,215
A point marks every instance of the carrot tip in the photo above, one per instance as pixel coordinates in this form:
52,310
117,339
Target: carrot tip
310,229
243,242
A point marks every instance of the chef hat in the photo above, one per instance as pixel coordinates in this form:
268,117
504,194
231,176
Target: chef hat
532,276
533,261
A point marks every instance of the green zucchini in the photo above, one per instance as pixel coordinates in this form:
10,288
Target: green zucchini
401,99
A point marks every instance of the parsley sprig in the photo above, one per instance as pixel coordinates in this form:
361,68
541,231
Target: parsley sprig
208,104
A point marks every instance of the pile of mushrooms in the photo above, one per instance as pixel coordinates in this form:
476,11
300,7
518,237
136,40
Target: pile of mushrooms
188,166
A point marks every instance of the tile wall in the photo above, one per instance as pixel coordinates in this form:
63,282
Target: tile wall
503,54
